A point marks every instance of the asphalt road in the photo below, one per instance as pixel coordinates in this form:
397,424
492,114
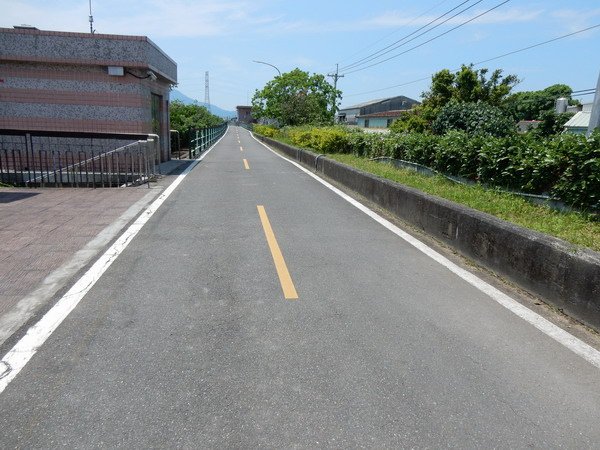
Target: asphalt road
188,339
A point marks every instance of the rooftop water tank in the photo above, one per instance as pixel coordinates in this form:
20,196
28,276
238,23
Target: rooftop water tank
560,106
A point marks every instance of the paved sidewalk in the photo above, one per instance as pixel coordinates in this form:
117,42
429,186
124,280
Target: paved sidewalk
47,235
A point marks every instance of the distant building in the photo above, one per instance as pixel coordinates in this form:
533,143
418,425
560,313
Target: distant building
79,84
579,123
350,114
244,114
379,119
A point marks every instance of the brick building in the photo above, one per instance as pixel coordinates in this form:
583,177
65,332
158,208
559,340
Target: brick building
244,114
79,83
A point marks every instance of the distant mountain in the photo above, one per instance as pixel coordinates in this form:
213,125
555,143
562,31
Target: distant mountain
177,95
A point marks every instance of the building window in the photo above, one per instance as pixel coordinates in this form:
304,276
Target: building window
366,123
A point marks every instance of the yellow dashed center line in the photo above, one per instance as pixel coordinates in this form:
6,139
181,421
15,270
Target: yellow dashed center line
246,165
289,291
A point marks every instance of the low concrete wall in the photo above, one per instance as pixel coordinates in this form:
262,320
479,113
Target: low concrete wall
567,277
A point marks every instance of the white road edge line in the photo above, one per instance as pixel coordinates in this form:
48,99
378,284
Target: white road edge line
14,361
571,342
20,313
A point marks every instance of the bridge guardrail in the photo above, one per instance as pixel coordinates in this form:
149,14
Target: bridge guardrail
205,137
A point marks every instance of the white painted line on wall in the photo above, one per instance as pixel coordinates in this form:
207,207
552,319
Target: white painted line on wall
14,361
574,344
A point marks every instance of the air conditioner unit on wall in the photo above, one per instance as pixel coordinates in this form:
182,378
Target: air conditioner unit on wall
116,71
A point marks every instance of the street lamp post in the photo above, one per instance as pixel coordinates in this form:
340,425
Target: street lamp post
274,67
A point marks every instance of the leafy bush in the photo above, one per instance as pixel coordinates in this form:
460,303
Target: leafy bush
566,166
579,182
552,123
473,118
410,122
458,154
265,130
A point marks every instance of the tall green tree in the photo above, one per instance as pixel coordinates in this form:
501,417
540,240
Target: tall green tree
468,85
466,91
296,98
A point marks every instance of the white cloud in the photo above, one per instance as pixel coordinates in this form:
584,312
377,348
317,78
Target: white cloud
572,20
158,18
399,19
60,15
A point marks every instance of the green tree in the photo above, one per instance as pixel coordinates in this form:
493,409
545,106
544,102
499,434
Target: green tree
296,98
531,105
185,118
468,85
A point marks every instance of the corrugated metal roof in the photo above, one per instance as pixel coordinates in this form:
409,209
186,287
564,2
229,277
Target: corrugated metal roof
362,105
579,120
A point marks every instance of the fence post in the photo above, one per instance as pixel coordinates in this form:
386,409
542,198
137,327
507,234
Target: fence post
29,150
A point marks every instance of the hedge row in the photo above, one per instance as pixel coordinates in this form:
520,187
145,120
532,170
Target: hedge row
566,166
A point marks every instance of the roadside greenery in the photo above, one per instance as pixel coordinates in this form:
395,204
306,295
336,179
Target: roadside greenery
186,118
480,102
573,227
566,166
466,127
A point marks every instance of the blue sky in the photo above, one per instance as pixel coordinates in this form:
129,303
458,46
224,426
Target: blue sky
224,37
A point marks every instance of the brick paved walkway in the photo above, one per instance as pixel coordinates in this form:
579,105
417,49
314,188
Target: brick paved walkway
47,235
41,229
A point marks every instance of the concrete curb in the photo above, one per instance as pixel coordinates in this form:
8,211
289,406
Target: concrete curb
565,276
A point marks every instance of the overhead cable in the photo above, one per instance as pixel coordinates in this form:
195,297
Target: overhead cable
430,40
394,45
393,32
484,61
537,45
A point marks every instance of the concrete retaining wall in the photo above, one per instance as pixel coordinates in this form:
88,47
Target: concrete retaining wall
567,277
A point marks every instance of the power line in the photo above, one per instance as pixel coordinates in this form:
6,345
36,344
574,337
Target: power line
537,45
430,40
396,44
484,61
389,87
393,32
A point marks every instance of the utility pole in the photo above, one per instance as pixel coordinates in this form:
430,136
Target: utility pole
595,114
335,77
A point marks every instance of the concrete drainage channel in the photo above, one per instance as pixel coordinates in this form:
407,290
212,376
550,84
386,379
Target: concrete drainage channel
565,276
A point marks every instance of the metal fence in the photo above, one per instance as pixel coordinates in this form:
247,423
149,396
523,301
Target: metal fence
77,161
206,137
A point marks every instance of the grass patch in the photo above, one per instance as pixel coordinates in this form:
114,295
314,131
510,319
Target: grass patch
576,228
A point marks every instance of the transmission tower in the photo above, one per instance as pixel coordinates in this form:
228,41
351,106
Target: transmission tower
206,92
